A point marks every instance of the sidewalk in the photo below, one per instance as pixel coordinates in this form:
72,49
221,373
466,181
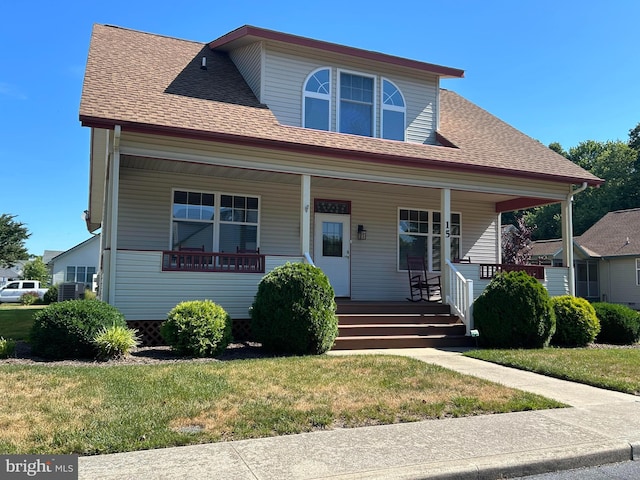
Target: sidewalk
600,427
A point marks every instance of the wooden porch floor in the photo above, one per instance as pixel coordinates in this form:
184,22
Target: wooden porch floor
371,325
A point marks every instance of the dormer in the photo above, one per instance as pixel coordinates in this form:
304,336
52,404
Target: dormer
314,84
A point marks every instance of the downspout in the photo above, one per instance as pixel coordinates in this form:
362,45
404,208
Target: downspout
113,233
569,243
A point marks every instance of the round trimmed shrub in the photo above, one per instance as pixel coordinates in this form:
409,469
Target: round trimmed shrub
67,329
576,322
198,328
514,311
619,324
51,295
294,310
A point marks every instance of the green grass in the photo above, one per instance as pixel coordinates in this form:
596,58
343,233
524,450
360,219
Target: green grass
16,320
610,368
104,409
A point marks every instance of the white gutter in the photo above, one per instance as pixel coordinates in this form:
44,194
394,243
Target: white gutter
569,239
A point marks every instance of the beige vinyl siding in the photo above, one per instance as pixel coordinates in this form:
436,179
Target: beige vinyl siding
286,70
374,271
618,281
282,161
144,292
145,208
248,61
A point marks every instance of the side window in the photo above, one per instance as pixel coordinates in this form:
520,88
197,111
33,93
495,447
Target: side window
193,217
316,106
393,112
12,286
28,285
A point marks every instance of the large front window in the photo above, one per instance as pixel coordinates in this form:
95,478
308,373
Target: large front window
356,104
419,235
198,225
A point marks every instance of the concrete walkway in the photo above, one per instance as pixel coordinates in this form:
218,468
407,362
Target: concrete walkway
600,427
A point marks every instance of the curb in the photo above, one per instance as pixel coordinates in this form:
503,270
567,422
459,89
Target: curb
509,466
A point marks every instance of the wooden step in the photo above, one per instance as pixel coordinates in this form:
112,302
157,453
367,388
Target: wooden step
348,307
413,318
403,329
402,341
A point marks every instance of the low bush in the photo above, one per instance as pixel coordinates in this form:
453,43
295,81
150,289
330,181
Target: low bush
198,328
7,347
68,329
51,295
29,298
514,311
576,322
115,341
294,310
619,324
89,295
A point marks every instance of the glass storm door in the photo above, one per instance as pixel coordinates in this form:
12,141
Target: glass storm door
332,245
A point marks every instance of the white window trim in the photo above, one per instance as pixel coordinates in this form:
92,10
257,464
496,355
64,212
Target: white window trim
321,96
394,108
217,205
429,235
374,106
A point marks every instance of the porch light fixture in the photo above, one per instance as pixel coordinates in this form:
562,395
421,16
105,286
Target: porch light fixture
362,233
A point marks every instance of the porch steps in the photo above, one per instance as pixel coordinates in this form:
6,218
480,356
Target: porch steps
368,325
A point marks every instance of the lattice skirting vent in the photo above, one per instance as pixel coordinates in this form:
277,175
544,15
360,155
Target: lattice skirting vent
149,331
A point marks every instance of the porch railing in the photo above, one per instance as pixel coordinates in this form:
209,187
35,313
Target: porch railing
488,270
183,261
460,295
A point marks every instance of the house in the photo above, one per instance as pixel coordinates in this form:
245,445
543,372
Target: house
78,264
212,163
606,258
7,274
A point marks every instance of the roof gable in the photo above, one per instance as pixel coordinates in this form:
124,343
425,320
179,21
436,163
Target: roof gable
615,234
155,84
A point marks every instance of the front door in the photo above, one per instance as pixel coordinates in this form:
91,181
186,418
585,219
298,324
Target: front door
332,247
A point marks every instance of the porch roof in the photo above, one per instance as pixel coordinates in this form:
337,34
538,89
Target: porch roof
152,83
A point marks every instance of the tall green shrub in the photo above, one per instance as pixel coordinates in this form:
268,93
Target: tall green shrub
198,328
619,324
68,329
576,322
514,311
294,310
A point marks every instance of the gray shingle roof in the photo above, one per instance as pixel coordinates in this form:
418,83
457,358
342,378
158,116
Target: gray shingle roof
615,234
154,83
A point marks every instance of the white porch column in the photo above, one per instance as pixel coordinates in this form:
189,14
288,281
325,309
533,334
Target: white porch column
567,243
445,238
114,175
499,237
305,214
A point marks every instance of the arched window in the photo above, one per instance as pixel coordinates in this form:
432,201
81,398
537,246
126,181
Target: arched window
317,99
393,112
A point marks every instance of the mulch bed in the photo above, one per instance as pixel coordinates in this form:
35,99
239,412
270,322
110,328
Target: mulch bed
139,356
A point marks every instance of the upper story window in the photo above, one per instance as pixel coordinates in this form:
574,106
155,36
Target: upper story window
393,112
317,99
356,98
356,104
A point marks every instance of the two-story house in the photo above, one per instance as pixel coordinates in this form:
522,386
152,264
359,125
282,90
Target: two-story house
212,163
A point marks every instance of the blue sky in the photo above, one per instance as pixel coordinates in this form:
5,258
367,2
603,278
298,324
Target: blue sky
560,71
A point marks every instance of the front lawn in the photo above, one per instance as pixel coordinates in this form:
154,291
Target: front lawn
103,409
611,368
16,320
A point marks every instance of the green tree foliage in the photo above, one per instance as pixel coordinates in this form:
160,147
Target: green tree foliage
617,163
36,270
12,237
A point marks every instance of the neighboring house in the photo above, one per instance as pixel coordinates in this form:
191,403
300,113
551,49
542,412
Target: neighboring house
7,274
78,264
261,147
606,258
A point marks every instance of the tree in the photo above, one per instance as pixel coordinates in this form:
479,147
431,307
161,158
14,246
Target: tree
516,241
634,138
12,237
36,270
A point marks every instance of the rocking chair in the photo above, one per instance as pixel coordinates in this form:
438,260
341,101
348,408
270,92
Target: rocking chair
422,285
